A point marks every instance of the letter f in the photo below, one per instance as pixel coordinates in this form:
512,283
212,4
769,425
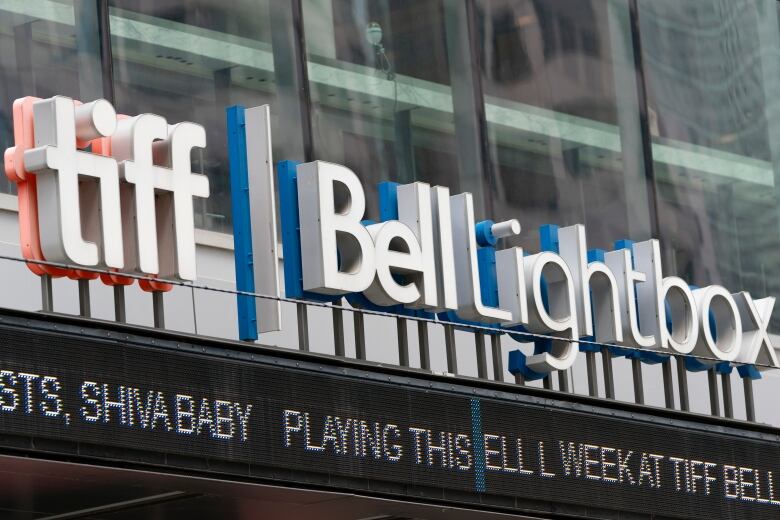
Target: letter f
132,147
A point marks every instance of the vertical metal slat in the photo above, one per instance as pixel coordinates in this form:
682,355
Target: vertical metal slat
682,383
338,332
593,386
158,309
728,398
120,314
666,366
360,335
750,404
609,378
712,382
563,380
425,349
639,388
498,357
85,309
303,326
479,343
47,295
449,346
403,342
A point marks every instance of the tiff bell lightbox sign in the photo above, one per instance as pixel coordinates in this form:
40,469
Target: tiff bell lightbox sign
428,257
97,189
105,191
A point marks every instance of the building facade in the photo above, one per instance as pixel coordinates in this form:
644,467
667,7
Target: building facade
637,118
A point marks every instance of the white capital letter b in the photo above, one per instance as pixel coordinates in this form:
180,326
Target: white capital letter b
336,249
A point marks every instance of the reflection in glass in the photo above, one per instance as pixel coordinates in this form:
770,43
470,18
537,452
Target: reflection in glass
382,85
561,106
711,68
40,57
187,62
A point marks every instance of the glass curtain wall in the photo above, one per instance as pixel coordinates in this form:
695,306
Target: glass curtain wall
44,52
189,61
713,80
532,105
392,92
560,96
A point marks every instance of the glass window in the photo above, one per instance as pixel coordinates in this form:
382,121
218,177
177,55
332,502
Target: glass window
713,82
43,54
560,97
382,76
188,61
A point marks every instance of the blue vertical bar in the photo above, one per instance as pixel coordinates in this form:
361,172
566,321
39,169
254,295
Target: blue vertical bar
287,175
242,229
388,201
291,241
625,244
486,263
548,238
478,445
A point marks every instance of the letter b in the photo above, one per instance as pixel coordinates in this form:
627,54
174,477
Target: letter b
337,250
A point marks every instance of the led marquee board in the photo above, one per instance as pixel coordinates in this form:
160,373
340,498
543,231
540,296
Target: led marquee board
265,414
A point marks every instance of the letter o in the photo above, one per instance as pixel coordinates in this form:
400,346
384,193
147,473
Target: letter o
725,345
684,315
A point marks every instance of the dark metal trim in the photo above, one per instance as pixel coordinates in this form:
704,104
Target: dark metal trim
728,399
47,296
639,387
304,92
609,378
106,54
403,342
488,172
498,357
644,120
590,361
338,333
85,307
158,309
666,366
120,309
423,342
712,381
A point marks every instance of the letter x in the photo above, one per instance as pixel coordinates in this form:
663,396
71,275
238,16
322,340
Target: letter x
755,315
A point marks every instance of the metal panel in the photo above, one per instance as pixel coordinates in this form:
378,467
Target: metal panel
242,229
262,210
254,219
